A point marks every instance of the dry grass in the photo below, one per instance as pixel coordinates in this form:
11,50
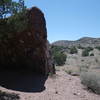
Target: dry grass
91,80
72,71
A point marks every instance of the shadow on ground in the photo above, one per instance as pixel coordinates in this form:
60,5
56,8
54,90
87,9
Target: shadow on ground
20,81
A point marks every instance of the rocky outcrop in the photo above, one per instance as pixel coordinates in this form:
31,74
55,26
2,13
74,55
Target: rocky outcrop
28,49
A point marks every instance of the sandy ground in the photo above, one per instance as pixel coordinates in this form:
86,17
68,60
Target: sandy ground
60,87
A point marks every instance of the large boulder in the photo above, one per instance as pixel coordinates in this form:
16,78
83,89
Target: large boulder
28,49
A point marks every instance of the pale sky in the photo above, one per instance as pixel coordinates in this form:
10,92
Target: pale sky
69,19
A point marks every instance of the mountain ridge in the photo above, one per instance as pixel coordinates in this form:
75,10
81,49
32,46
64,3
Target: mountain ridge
84,42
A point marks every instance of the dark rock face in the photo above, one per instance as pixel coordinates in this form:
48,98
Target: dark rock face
29,49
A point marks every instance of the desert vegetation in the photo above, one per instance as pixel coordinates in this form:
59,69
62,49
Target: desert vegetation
84,63
92,54
98,47
73,50
86,51
58,55
15,22
91,79
8,96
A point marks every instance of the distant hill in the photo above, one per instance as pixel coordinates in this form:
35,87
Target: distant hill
84,42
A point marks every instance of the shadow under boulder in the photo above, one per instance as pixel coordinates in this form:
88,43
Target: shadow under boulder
22,81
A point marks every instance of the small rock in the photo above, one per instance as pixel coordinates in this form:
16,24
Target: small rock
75,74
56,92
70,79
76,94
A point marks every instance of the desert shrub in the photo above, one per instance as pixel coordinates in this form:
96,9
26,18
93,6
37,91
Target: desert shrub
73,50
82,60
58,55
89,49
72,70
68,71
59,58
80,47
8,96
98,47
83,68
91,80
92,54
96,60
85,53
57,48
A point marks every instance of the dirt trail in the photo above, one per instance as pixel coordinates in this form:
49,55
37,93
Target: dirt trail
60,87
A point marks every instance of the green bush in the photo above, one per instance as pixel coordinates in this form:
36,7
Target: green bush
73,50
59,58
98,48
91,80
13,24
80,47
58,55
57,48
92,54
85,53
89,49
83,68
